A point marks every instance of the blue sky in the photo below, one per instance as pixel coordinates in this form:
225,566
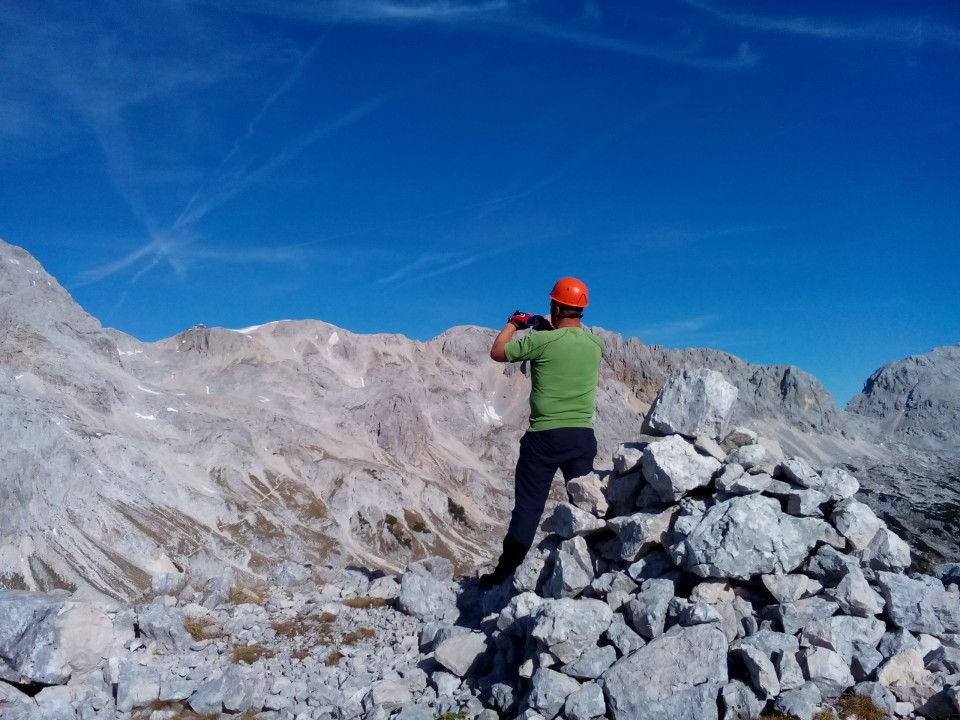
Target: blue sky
777,180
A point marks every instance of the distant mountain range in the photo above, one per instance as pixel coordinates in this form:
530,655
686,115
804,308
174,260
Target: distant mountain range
305,442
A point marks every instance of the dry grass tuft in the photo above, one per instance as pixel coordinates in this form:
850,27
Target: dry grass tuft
366,603
862,707
249,654
355,636
255,595
202,628
333,658
179,710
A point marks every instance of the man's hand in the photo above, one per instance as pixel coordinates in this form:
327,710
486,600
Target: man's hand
520,319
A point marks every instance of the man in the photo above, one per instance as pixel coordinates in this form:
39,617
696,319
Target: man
564,364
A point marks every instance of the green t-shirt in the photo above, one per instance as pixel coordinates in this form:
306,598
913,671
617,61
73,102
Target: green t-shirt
564,368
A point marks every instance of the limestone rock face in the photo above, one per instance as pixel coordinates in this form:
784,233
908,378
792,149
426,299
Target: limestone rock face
916,399
693,403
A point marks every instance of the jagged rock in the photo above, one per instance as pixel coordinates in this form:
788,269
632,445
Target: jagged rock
568,521
585,703
738,437
742,483
567,627
591,664
46,638
747,536
627,457
917,607
740,701
802,702
164,625
790,587
796,470
695,402
622,491
572,570
424,595
827,670
841,632
587,494
903,669
678,674
856,522
855,596
137,686
830,566
838,484
462,654
388,694
794,616
886,551
641,532
648,611
708,446
550,691
673,468
763,675
623,637
748,456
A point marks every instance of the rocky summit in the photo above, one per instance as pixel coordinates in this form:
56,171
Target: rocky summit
706,575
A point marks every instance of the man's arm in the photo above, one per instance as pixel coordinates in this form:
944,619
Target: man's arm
500,342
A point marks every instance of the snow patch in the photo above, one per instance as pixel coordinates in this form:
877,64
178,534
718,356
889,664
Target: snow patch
129,352
148,390
145,417
490,415
172,410
14,261
333,340
261,398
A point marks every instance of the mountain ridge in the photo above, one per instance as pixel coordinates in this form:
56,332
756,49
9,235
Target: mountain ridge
297,440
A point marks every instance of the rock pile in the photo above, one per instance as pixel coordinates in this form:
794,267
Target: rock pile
706,576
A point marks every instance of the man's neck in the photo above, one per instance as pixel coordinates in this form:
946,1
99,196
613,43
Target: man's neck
567,322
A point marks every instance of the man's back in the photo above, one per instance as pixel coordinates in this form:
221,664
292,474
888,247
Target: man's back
565,366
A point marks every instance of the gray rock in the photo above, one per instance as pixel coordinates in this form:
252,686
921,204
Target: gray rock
585,703
827,670
748,456
624,638
763,675
587,493
790,587
627,457
802,702
678,674
591,664
622,491
656,564
743,483
855,596
797,471
866,659
572,570
829,566
856,522
164,625
740,701
648,611
840,633
550,691
838,484
886,551
692,403
137,686
642,532
518,615
880,695
916,607
424,596
569,521
462,654
793,617
45,639
805,503
673,468
388,694
738,437
708,446
568,628
747,536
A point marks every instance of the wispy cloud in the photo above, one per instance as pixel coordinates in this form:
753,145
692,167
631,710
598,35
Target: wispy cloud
674,328
500,16
428,266
911,31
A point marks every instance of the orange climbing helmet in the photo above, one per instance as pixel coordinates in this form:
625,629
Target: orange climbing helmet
570,291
